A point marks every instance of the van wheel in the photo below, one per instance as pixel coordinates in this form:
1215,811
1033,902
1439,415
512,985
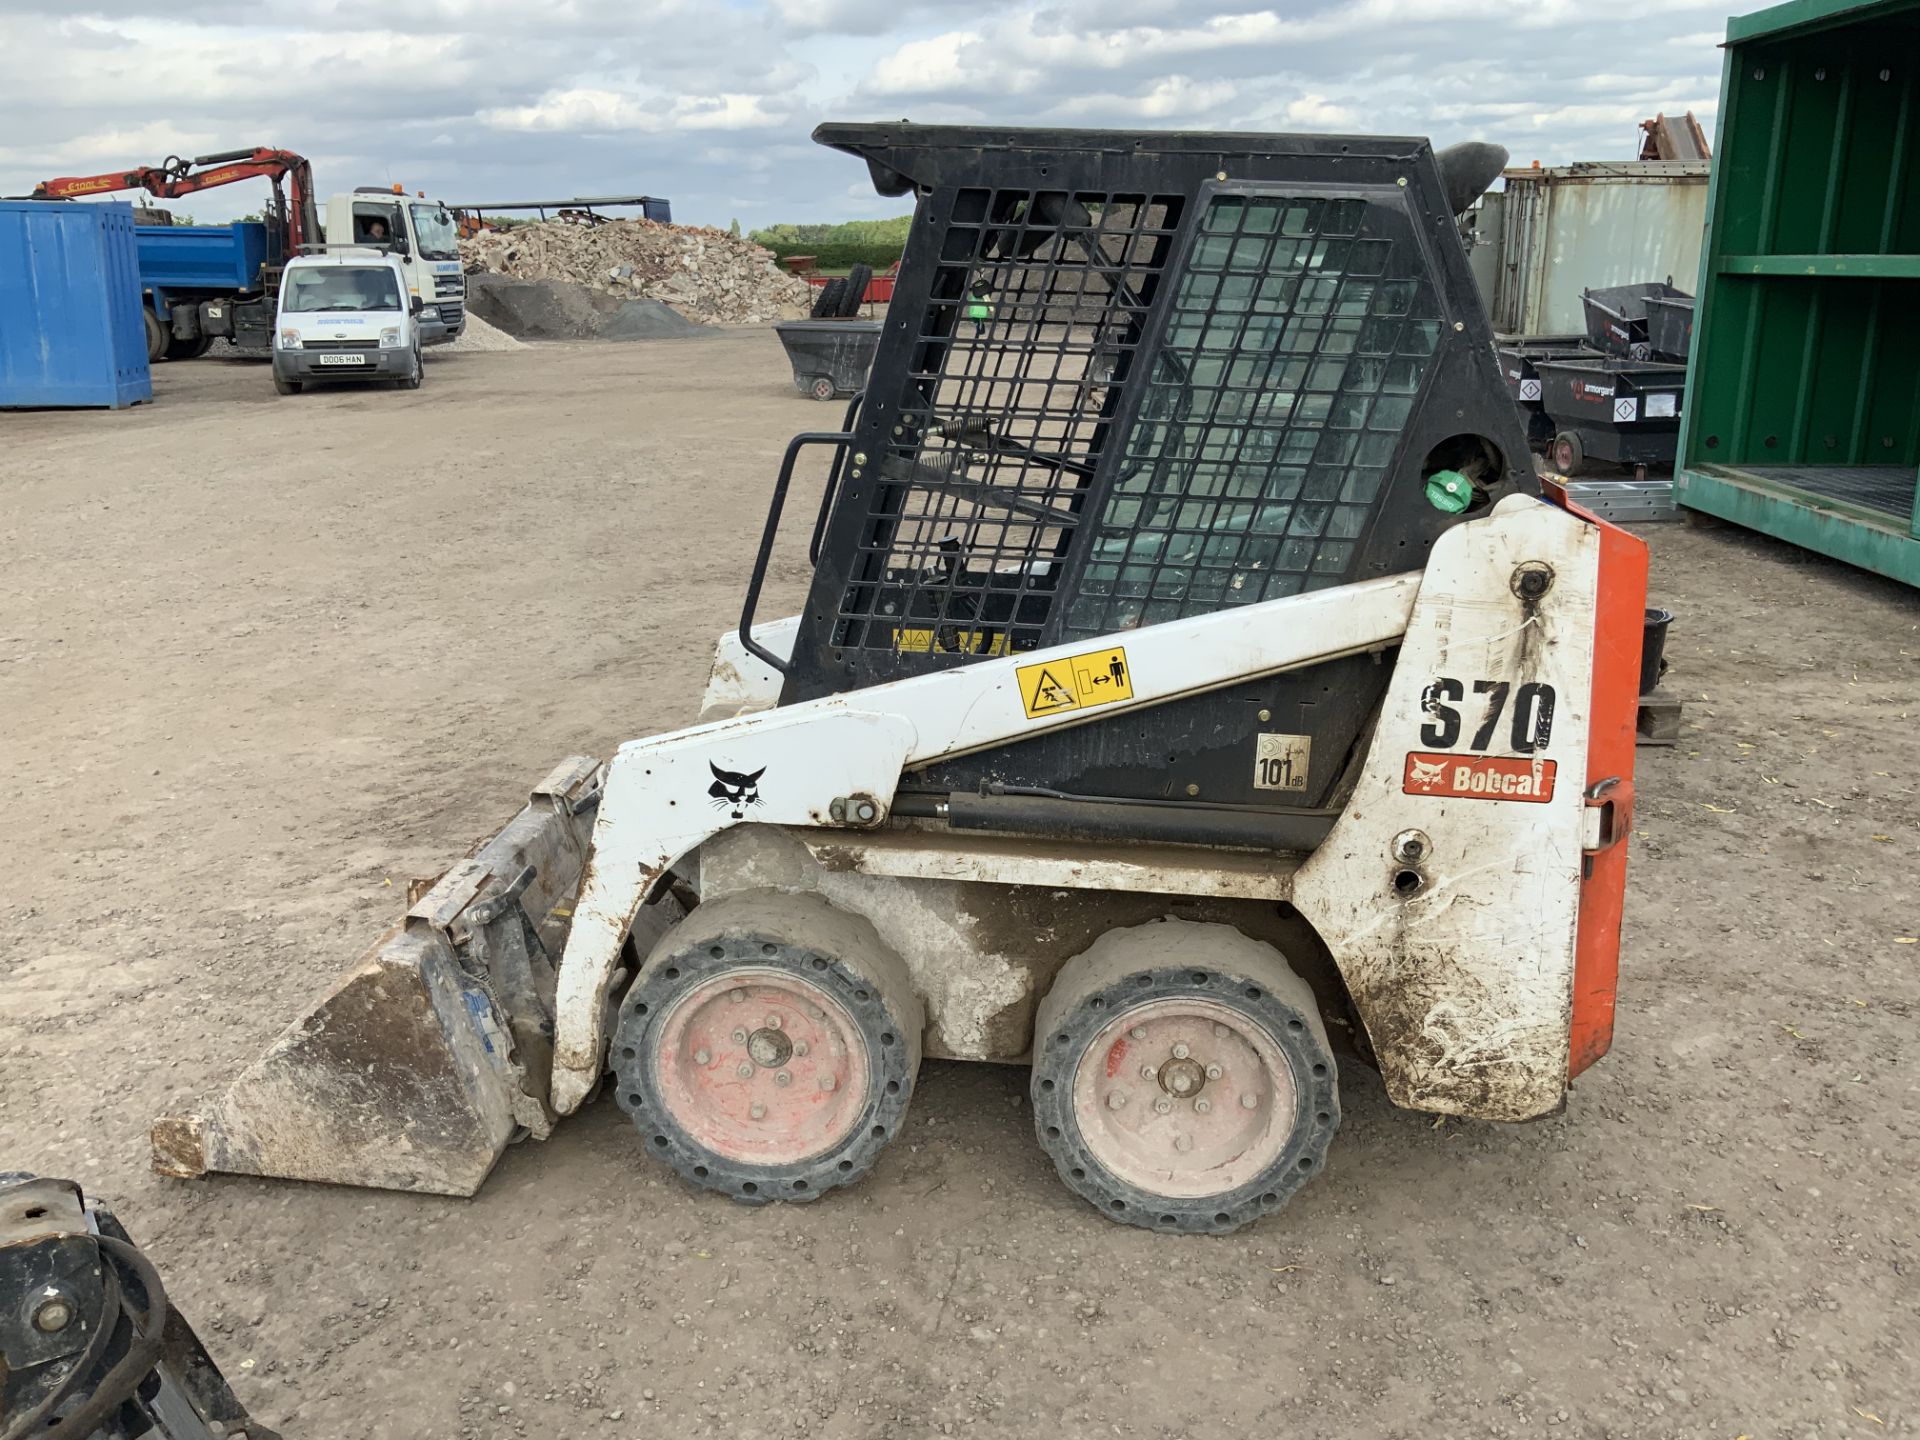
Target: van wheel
411,380
286,387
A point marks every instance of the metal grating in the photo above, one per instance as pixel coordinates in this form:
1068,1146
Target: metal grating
1289,366
1890,489
1035,311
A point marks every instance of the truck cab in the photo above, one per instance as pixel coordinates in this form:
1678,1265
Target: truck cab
422,237
345,314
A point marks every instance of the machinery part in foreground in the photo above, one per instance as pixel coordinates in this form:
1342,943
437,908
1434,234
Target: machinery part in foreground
769,1048
89,1346
1182,1078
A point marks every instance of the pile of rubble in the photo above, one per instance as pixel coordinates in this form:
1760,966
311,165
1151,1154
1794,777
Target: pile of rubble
705,274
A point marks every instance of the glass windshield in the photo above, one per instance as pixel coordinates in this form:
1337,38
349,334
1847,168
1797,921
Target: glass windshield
339,287
434,226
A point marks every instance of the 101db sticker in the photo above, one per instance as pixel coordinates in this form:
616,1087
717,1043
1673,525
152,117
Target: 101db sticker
1280,762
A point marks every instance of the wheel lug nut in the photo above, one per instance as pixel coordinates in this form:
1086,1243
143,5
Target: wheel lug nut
1180,1052
1220,1032
1249,1101
746,1069
1138,1032
1183,1143
703,1057
1116,1100
1213,1072
827,1082
800,1047
773,1022
1202,1106
783,1078
737,997
758,1111
739,1037
1162,1105
1147,1072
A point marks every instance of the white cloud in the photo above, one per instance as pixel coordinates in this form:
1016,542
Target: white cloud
601,112
704,100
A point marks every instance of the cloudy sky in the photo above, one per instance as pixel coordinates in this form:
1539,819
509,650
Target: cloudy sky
709,102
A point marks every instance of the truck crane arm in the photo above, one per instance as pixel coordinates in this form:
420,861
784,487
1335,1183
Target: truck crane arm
177,177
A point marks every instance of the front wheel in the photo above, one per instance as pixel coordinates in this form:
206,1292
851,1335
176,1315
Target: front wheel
157,338
821,388
1182,1078
769,1048
285,386
411,380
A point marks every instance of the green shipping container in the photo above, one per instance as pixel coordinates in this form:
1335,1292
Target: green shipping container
1803,418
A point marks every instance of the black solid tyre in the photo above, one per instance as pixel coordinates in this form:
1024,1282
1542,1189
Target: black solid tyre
788,960
157,338
826,304
1232,987
821,388
1568,455
855,295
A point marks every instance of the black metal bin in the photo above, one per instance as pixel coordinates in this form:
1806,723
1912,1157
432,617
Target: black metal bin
1617,316
1602,408
830,358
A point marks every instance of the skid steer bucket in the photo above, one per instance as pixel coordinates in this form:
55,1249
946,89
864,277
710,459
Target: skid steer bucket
433,1053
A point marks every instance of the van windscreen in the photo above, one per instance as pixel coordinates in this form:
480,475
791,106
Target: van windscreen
339,287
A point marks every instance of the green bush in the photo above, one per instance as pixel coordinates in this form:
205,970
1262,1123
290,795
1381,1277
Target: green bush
877,243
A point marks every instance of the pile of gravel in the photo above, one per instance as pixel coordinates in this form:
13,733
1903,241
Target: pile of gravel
477,335
562,310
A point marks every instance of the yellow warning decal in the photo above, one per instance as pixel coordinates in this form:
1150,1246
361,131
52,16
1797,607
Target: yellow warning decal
969,642
1079,682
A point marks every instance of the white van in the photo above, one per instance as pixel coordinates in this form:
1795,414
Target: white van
345,314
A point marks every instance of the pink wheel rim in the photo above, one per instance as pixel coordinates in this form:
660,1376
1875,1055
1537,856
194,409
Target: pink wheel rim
761,1067
1185,1098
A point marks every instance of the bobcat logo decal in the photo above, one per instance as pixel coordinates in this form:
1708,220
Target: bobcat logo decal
734,792
1426,774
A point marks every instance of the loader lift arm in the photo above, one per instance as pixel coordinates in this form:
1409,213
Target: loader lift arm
176,178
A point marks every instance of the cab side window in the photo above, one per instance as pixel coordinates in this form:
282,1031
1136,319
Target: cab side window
375,224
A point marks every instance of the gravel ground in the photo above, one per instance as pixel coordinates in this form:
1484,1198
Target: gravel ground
262,659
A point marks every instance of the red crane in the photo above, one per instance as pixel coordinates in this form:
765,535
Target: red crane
177,177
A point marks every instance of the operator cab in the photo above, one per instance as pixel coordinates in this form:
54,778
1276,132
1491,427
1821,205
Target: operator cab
345,314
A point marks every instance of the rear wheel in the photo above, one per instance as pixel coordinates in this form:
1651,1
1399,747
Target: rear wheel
1568,455
178,349
157,338
769,1048
1182,1078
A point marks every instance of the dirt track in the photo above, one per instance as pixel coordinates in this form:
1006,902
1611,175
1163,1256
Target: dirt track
261,660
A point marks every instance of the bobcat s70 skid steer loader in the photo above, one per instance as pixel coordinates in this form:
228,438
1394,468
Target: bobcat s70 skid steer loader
1198,697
